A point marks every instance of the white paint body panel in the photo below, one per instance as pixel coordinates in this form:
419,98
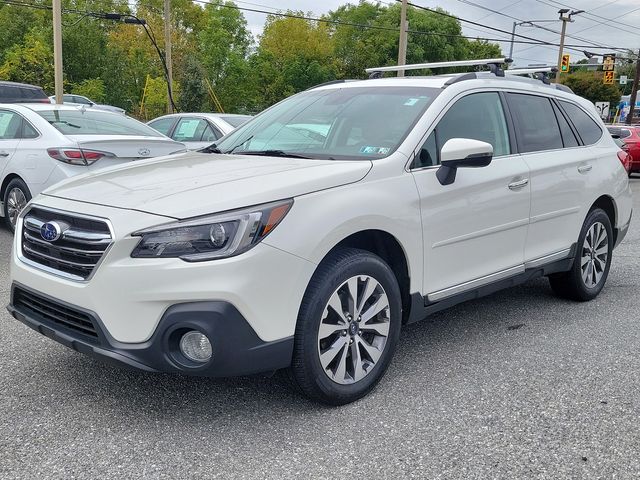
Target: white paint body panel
451,235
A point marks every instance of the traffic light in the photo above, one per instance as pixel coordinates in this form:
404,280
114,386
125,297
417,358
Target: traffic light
608,78
564,66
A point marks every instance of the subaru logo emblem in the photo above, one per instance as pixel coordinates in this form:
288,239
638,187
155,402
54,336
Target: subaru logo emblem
144,152
50,231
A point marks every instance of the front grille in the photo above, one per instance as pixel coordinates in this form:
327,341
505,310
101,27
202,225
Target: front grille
82,243
52,312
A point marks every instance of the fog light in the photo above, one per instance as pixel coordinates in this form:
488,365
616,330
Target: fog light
196,346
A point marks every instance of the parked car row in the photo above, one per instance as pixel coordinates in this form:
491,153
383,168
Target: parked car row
42,144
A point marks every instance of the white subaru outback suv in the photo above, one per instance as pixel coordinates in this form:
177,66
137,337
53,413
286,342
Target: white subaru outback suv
306,238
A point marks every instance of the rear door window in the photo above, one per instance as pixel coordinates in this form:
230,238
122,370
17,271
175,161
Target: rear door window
10,125
536,126
568,137
589,131
163,125
211,134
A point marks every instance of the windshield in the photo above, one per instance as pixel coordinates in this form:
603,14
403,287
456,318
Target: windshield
93,122
236,120
339,123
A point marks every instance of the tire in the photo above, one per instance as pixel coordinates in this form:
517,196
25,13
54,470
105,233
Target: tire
352,355
590,269
16,197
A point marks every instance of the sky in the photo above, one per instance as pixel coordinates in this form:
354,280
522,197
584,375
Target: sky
611,23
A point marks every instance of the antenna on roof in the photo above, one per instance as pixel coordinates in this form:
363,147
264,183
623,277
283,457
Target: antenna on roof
494,64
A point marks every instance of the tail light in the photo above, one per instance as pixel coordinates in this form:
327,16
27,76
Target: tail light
77,156
625,159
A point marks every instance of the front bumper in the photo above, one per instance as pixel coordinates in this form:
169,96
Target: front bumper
131,295
237,349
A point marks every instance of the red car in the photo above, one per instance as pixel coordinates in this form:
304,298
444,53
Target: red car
631,136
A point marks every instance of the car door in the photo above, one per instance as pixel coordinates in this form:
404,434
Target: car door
474,230
559,167
10,128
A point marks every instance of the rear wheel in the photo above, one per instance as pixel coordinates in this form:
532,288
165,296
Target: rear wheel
591,266
16,197
348,327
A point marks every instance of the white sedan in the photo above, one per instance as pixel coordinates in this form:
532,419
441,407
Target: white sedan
42,144
197,130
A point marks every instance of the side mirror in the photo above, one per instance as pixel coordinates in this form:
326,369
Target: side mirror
462,153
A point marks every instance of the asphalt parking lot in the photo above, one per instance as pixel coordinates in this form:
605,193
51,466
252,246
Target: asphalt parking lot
516,385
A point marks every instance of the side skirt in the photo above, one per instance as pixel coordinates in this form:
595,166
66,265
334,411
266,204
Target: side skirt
421,308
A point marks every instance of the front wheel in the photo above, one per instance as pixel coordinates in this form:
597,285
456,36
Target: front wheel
348,327
591,266
16,197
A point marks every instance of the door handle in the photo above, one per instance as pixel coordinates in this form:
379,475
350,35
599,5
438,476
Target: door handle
4,154
585,168
519,184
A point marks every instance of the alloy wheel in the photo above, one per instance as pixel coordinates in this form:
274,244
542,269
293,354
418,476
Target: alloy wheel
595,253
16,201
353,330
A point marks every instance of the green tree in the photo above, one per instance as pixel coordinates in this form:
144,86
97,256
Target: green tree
223,46
92,88
30,62
590,86
293,54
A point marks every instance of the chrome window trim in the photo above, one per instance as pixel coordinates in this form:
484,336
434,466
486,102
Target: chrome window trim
53,271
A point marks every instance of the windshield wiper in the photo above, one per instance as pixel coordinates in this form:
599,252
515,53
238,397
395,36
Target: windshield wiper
273,153
239,145
213,148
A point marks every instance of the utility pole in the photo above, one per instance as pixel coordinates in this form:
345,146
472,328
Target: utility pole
634,92
513,34
57,49
565,17
167,52
402,47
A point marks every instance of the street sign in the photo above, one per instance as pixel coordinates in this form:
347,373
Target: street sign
609,62
623,79
603,109
608,78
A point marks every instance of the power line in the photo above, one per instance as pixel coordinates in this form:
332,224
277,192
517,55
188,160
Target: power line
529,41
533,24
535,40
600,19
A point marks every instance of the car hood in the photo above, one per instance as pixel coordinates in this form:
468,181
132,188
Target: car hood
191,184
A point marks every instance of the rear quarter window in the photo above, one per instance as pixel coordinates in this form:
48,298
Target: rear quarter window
536,123
589,131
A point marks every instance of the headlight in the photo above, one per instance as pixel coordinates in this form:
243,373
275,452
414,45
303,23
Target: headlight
216,236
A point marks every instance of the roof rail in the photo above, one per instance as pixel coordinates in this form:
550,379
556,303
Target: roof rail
539,73
494,65
330,82
524,71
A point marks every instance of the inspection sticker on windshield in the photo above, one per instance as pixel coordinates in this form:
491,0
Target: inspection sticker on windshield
411,102
375,150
